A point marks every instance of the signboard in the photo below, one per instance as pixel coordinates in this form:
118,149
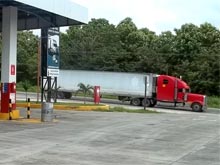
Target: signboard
12,69
52,72
50,52
12,97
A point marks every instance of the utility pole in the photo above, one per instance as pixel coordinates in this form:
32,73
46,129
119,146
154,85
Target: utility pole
145,91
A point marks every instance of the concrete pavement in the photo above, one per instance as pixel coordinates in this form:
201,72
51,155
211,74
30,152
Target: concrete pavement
106,138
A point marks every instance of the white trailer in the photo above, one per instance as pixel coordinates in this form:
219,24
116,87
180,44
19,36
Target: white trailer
127,86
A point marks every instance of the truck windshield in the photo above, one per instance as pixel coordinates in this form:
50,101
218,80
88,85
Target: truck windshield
187,90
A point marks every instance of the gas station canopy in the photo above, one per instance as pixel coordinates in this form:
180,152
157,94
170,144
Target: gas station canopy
36,14
25,15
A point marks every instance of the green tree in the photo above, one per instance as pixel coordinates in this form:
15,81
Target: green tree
186,39
125,28
85,90
26,85
164,42
191,51
196,57
209,38
27,57
206,67
130,39
149,38
90,47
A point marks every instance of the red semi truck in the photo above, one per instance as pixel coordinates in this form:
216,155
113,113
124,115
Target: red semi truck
144,89
175,90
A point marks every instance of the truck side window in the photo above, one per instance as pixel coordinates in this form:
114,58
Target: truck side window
183,90
165,81
180,90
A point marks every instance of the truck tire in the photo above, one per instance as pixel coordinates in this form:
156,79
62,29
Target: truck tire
146,102
196,107
136,101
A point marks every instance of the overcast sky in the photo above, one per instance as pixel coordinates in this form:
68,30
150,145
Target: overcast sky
157,15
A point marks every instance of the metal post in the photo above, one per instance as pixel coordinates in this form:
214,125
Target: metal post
145,91
49,91
42,89
38,68
56,89
175,92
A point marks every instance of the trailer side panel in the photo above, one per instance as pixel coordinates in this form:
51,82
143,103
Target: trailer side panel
116,83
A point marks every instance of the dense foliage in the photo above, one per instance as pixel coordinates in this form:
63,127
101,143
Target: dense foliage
190,51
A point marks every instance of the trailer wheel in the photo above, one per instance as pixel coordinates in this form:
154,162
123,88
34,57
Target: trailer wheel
146,102
196,107
136,101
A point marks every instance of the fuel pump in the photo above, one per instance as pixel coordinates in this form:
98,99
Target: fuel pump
8,92
96,94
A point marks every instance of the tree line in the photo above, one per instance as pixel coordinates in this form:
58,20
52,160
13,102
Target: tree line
190,51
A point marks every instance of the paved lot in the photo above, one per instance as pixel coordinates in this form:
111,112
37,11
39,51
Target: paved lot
104,138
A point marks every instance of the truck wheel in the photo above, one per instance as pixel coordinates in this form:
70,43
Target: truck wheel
136,101
146,102
196,107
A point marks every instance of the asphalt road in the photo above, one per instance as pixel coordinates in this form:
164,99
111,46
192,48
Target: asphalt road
106,138
162,107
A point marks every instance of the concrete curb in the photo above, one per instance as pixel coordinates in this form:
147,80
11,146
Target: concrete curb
67,107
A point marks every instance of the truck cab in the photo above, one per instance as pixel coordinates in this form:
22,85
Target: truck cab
175,90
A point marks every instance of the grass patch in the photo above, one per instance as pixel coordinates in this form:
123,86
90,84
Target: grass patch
104,96
121,109
213,101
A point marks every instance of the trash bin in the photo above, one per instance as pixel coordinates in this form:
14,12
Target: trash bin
47,112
